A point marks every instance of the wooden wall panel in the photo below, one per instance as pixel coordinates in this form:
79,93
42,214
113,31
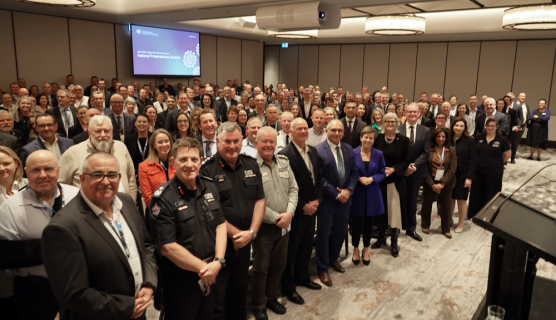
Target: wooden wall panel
351,67
252,62
7,54
401,74
431,68
308,65
208,59
329,66
228,53
496,68
461,70
375,66
271,65
288,66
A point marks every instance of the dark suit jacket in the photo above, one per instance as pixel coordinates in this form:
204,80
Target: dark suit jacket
357,126
331,177
307,190
278,125
12,142
54,100
133,149
502,121
75,130
90,276
63,144
81,137
421,149
55,111
221,106
425,121
161,118
129,125
170,89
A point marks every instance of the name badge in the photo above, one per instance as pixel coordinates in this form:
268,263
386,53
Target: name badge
209,197
283,169
179,204
439,174
481,141
221,178
496,144
249,173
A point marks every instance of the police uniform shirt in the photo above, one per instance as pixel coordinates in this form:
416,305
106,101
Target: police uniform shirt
248,148
239,189
187,217
489,155
24,217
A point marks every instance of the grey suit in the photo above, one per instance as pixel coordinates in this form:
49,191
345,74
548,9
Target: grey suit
129,125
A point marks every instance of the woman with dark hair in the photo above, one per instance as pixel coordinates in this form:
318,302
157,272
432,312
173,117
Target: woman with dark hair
537,135
208,103
233,114
493,149
294,109
325,96
43,103
465,151
150,111
396,151
34,91
182,127
285,106
137,143
367,100
441,179
242,119
367,198
511,115
362,112
400,113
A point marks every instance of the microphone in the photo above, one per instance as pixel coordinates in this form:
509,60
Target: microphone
516,190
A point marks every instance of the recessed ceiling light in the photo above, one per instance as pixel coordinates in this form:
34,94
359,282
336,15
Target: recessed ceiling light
534,17
395,24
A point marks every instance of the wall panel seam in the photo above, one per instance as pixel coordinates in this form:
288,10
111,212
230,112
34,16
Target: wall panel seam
478,67
415,70
446,66
69,46
551,80
363,69
388,69
15,48
515,61
116,52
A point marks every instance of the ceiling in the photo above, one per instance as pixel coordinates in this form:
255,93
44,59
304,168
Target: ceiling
447,20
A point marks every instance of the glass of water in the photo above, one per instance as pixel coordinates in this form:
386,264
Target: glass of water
495,313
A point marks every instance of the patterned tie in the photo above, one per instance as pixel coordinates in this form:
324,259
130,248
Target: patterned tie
411,137
66,118
120,125
349,129
208,151
341,170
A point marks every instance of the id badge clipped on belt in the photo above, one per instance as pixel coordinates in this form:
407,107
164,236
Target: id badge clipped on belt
204,289
439,174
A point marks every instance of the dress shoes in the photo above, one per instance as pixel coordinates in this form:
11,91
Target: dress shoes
260,314
426,231
513,161
414,235
325,279
355,262
311,285
276,307
448,235
337,267
296,298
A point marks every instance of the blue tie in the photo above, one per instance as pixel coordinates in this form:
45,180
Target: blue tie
341,170
208,151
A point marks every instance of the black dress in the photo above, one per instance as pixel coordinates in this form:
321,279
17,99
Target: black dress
467,159
396,155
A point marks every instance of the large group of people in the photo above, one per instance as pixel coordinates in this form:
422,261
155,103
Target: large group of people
115,198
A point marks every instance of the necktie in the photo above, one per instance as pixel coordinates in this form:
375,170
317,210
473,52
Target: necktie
349,129
208,151
66,118
341,170
411,137
287,139
120,126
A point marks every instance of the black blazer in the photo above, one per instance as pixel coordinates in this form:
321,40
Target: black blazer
467,156
421,149
129,125
12,142
161,118
221,106
425,121
133,148
90,276
75,130
357,126
83,136
55,111
307,190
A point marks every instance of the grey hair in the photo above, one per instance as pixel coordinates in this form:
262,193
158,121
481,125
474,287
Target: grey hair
129,100
413,104
77,86
229,127
298,121
266,129
388,116
64,91
99,154
490,99
99,120
287,113
116,95
333,111
251,121
4,112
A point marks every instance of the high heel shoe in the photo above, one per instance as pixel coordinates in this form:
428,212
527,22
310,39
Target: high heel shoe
355,262
380,241
365,262
394,240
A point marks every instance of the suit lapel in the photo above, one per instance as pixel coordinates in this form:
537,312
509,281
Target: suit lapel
299,160
96,224
331,158
358,159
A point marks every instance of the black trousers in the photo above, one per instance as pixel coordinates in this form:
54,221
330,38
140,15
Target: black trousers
183,299
413,185
34,299
485,186
231,284
515,137
361,225
300,248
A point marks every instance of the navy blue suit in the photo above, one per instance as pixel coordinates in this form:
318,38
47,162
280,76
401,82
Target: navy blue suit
332,214
63,144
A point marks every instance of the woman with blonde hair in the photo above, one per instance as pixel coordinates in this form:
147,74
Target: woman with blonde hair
156,169
21,114
11,174
194,120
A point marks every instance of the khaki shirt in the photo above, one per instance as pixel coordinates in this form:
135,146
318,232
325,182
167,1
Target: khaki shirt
280,187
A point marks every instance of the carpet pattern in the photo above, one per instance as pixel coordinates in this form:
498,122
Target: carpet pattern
435,279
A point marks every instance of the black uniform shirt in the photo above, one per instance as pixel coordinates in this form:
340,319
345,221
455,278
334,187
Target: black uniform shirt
187,217
239,189
490,155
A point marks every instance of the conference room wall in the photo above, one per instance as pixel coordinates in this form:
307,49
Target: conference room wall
85,48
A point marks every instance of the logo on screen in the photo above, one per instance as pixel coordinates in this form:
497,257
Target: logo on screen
138,31
189,59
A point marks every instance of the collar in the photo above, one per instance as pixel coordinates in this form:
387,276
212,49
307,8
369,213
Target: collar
352,120
116,202
315,132
198,183
492,114
261,161
247,142
301,151
224,164
14,189
205,139
44,141
332,145
56,195
117,115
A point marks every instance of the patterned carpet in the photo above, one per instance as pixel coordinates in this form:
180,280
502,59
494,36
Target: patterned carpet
435,279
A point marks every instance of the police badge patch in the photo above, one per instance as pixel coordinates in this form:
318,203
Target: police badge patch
156,210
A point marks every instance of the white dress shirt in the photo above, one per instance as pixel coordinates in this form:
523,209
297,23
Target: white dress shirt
305,155
408,130
213,147
54,148
15,188
83,101
248,148
333,149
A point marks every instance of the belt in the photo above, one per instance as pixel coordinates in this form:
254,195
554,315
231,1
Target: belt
209,259
32,279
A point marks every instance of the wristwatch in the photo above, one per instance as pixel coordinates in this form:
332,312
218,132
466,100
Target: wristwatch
253,233
221,260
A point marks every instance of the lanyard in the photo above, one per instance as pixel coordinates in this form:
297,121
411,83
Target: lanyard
120,231
441,159
163,166
43,202
141,149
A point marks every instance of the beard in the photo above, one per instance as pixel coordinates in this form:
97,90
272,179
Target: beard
102,145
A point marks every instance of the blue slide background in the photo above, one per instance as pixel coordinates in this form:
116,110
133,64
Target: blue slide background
165,52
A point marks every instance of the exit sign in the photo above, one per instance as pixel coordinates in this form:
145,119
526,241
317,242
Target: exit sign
284,45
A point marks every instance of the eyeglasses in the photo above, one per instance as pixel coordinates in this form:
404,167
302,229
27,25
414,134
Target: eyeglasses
99,176
44,125
183,121
390,122
336,130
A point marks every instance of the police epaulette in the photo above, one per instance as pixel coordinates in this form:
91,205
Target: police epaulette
207,178
208,159
160,190
281,156
248,156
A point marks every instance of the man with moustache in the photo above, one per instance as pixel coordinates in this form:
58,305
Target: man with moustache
100,140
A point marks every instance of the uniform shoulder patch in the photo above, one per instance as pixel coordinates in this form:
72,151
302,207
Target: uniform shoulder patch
160,190
205,177
208,159
248,156
281,156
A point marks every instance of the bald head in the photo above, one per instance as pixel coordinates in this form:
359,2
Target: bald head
42,171
40,155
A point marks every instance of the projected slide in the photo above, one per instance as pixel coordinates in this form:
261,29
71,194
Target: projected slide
165,52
